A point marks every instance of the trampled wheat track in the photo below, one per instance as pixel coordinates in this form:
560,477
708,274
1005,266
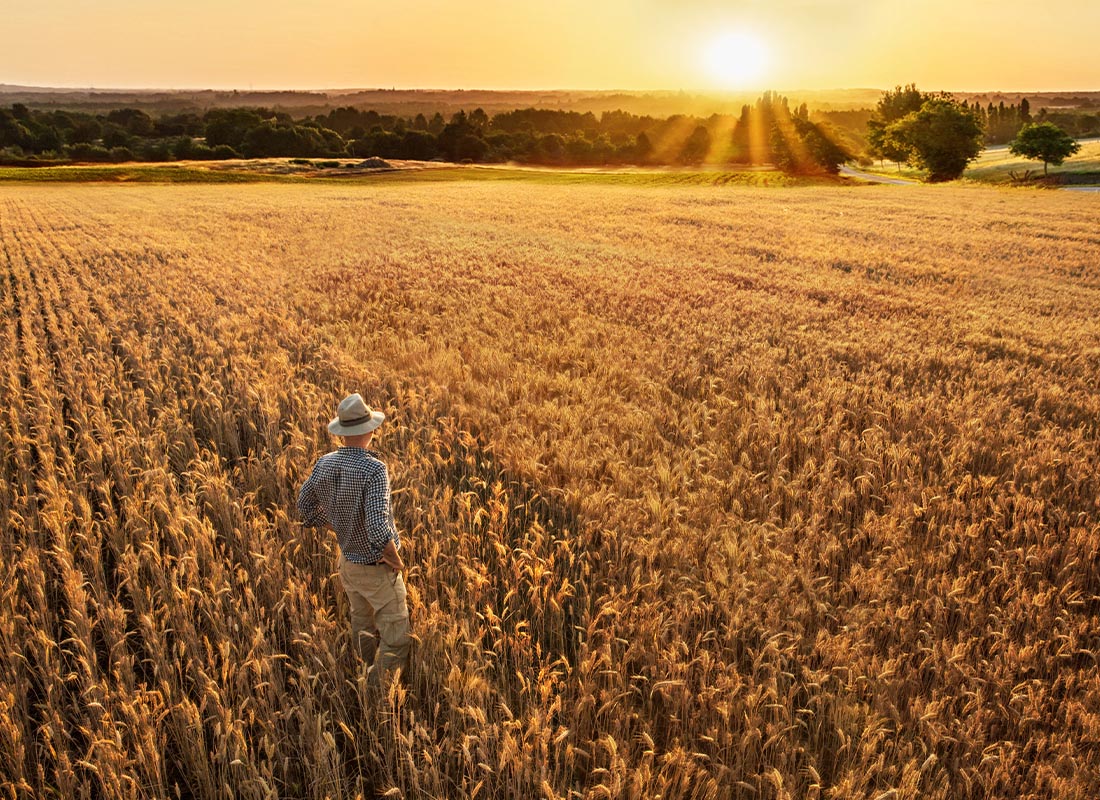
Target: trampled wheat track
707,492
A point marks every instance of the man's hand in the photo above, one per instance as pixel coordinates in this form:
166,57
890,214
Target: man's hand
392,558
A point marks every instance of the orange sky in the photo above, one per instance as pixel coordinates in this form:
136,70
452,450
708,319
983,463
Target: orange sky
516,44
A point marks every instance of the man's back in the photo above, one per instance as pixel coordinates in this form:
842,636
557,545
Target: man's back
349,491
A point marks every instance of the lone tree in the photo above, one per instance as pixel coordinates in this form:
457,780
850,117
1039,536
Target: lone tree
942,137
1046,142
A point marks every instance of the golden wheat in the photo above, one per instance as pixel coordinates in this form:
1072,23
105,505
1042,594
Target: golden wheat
708,492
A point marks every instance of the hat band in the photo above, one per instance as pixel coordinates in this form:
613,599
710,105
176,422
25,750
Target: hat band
357,421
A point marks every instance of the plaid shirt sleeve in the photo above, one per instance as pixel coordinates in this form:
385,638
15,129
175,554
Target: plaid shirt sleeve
310,508
376,510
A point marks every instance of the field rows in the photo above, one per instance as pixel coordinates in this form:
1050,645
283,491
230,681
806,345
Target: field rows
708,492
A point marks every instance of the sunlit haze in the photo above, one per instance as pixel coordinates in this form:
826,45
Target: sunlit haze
619,44
737,59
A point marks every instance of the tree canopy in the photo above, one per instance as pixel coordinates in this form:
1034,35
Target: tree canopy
768,132
882,140
932,132
899,102
943,137
1046,142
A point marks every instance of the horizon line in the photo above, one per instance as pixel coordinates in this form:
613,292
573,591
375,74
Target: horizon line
618,90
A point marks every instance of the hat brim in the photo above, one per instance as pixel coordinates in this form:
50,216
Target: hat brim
340,429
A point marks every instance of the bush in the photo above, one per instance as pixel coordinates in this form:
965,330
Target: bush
115,136
223,152
549,149
89,152
229,126
134,121
85,130
157,150
419,145
201,152
184,148
382,144
272,140
120,154
471,147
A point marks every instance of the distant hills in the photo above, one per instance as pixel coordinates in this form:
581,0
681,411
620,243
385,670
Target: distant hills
409,102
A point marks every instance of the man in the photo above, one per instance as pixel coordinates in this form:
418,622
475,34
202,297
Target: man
349,492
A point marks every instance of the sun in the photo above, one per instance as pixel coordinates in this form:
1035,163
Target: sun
736,59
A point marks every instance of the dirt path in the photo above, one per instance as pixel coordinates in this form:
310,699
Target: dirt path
848,172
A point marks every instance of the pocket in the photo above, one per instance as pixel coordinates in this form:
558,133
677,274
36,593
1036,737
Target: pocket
394,607
401,595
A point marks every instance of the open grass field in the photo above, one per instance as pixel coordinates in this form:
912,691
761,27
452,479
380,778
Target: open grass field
997,165
706,492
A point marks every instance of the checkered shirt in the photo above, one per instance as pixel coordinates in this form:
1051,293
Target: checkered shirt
349,491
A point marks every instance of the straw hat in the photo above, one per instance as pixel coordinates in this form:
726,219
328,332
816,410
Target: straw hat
355,417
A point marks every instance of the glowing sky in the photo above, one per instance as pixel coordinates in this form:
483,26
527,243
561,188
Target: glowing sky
517,44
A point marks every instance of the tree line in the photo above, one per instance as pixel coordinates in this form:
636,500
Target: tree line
1003,123
941,135
934,132
768,132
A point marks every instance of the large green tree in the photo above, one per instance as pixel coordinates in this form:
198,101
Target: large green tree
942,137
1046,142
893,106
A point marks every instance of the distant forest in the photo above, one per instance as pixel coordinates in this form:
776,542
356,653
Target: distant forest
766,132
769,131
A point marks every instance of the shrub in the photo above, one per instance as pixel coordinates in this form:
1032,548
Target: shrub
89,152
115,136
184,147
157,150
223,152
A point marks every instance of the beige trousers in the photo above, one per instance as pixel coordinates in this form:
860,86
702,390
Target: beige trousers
379,614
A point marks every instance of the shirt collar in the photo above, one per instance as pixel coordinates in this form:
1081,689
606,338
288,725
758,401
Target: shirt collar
373,453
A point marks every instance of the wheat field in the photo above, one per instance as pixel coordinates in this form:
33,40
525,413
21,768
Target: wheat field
706,492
